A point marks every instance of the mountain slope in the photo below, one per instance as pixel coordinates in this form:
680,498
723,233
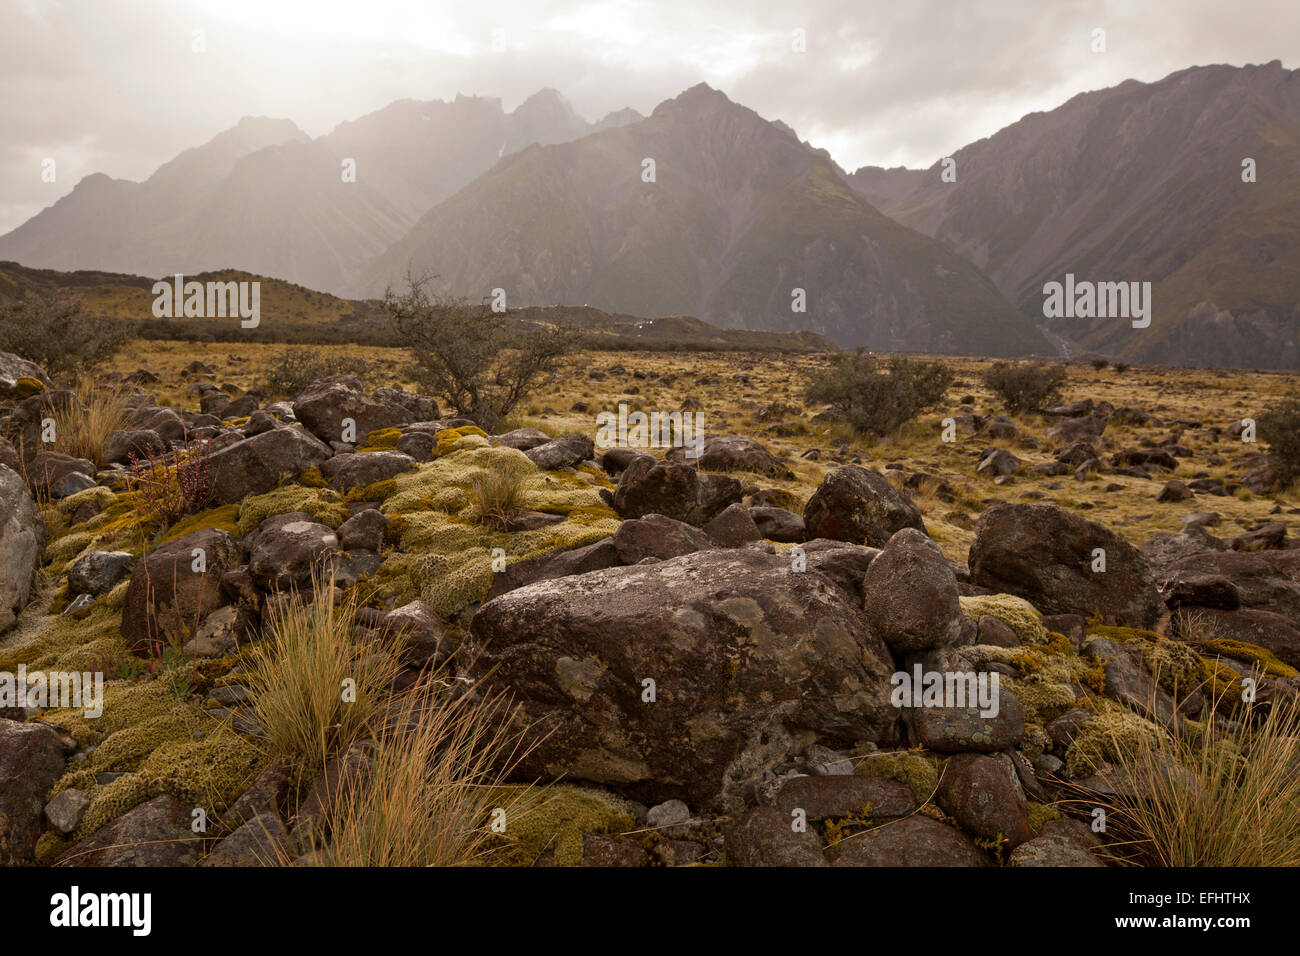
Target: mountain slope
1140,182
265,198
740,214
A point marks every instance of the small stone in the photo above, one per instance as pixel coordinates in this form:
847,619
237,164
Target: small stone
65,811
667,814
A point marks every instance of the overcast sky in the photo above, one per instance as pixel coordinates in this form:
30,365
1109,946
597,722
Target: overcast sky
115,86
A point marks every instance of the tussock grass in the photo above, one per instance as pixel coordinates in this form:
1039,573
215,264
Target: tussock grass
1218,794
432,785
83,431
299,675
497,496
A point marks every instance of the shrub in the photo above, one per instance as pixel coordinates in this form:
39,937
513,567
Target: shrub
292,370
54,331
1280,427
298,674
1027,387
481,363
1121,367
81,430
166,491
1100,363
875,400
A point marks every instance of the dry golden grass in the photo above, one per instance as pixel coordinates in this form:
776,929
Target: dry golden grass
428,791
314,690
83,432
670,379
498,496
1213,796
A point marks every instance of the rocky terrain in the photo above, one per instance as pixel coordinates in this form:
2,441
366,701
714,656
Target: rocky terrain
699,653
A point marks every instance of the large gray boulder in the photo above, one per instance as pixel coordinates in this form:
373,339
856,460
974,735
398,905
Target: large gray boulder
256,465
22,542
749,663
859,506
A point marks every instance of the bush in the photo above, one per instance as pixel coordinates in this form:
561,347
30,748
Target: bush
479,362
54,331
1100,363
1028,387
1280,427
1121,367
166,491
294,369
878,401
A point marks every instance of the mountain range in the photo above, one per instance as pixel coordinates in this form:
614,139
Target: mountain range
704,208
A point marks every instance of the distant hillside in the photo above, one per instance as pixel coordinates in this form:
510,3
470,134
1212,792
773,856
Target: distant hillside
295,314
1140,182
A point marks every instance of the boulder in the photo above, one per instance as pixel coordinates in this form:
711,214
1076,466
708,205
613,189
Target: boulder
97,572
764,837
156,833
656,536
169,596
1047,556
859,506
650,486
364,531
13,369
564,452
910,595
286,549
47,468
31,760
133,444
735,453
254,466
522,439
911,841
22,543
323,405
749,664
983,794
778,524
361,469
733,527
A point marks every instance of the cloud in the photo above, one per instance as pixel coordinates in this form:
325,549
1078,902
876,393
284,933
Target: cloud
118,88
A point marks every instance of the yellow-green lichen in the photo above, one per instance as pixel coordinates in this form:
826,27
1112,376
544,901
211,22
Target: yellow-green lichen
1248,653
919,771
381,439
321,504
1015,612
224,518
1113,734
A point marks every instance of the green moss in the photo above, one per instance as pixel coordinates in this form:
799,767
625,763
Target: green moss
458,439
322,504
1112,734
555,818
162,745
312,478
381,439
378,491
1176,666
1039,814
224,518
1248,653
87,641
1015,612
919,771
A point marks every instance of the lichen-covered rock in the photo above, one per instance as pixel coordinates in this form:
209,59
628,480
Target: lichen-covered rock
1054,559
838,796
911,841
287,549
657,536
649,486
564,452
733,527
156,833
983,794
778,524
764,837
859,506
31,760
22,542
361,469
15,368
323,406
747,664
261,841
97,572
910,595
